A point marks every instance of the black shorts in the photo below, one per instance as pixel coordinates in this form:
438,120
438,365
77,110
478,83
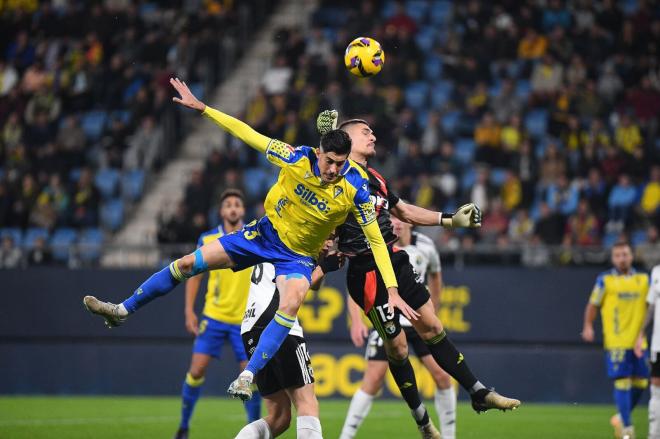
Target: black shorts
291,366
655,365
366,287
376,350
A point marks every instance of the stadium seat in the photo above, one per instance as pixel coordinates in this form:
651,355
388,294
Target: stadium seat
425,39
32,234
132,89
440,12
610,239
497,176
464,149
523,89
638,237
15,233
387,10
417,9
450,122
629,7
132,184
61,242
106,181
416,94
112,214
253,179
536,123
441,94
433,68
495,89
197,89
93,124
468,179
422,117
90,243
124,116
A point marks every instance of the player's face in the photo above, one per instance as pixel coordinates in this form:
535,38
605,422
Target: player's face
363,140
622,258
232,210
400,228
330,165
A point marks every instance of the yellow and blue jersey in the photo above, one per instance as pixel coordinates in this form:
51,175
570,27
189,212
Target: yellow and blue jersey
226,290
302,208
621,299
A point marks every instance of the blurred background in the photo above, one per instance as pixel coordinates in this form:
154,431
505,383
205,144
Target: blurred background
545,113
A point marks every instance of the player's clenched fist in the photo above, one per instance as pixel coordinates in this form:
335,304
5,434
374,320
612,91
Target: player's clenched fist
468,215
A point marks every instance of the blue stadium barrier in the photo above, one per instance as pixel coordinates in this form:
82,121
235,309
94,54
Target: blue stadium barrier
112,214
61,241
32,234
15,233
107,181
93,123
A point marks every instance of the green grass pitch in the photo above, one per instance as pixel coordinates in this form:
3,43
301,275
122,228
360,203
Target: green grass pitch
219,418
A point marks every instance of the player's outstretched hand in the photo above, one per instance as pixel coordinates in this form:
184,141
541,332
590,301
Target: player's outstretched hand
359,332
191,323
327,121
187,99
468,215
395,301
639,346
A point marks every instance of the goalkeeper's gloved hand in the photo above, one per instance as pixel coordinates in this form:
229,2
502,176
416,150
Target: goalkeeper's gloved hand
327,121
468,215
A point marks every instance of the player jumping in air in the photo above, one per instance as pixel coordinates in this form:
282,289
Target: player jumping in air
288,378
367,288
620,293
314,193
222,315
426,262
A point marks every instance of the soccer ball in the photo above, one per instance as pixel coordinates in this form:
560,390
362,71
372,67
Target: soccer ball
364,57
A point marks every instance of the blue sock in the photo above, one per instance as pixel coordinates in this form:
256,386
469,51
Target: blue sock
639,385
159,284
189,395
253,407
623,399
270,341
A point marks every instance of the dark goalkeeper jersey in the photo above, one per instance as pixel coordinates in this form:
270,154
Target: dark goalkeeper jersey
352,241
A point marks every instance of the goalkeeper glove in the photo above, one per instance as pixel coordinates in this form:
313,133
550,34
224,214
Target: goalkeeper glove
327,121
468,215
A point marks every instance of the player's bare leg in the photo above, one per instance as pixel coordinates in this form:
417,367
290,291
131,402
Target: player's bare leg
293,288
430,329
276,422
210,256
304,400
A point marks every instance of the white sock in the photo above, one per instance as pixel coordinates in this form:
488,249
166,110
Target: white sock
255,430
122,310
654,413
309,427
357,411
248,374
445,405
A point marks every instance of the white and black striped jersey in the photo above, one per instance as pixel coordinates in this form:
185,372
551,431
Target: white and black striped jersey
423,257
263,301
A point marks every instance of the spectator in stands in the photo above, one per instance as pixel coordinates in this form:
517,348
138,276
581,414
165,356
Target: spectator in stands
198,194
511,137
628,136
521,227
535,254
650,199
648,252
495,224
547,77
40,254
276,79
506,103
84,201
525,166
562,196
145,147
511,192
582,228
549,226
482,191
10,255
8,77
594,191
621,199
532,46
487,137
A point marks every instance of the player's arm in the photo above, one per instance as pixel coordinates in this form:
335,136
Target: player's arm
591,310
648,319
435,289
192,287
228,123
359,330
468,215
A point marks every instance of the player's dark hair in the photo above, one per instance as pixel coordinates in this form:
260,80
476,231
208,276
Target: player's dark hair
231,193
621,244
350,122
336,141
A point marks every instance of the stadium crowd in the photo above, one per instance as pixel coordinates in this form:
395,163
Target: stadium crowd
85,109
544,113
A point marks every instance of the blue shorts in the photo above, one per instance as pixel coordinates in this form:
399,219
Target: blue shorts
623,363
212,335
258,242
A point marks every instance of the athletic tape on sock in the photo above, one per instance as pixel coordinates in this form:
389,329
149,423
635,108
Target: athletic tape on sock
199,266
